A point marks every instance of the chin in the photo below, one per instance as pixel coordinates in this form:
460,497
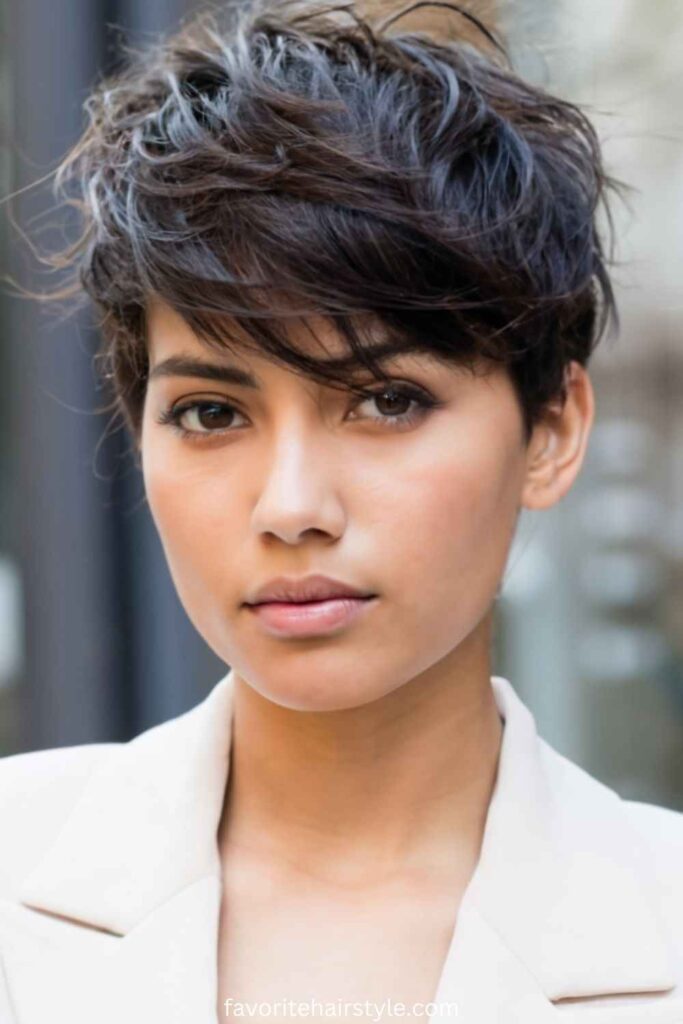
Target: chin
310,694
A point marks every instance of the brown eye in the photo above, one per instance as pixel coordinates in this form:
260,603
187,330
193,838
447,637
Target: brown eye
211,416
387,401
393,400
200,419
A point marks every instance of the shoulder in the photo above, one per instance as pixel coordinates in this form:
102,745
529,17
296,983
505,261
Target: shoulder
38,789
656,830
662,825
661,830
638,840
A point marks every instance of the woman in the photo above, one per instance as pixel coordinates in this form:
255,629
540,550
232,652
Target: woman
350,281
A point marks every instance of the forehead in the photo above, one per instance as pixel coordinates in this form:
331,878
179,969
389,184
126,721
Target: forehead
168,332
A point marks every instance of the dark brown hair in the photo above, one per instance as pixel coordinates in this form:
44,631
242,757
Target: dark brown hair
292,158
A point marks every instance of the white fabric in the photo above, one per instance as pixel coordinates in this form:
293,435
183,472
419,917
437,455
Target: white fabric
110,886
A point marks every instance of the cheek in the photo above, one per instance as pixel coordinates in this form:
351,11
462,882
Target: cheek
191,513
453,515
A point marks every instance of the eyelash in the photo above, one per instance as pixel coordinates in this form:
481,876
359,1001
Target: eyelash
424,402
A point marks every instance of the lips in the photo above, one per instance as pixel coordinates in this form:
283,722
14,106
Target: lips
305,590
310,618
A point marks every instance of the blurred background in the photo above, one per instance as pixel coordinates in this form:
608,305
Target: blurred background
94,644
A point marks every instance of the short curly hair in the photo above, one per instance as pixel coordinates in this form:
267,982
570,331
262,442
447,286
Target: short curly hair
292,157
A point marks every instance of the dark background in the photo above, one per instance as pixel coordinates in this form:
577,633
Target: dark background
107,648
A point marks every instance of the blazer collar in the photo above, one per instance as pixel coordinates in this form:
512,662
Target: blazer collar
145,826
561,888
563,876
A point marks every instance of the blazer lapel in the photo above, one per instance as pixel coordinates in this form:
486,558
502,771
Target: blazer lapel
119,921
563,876
162,970
560,905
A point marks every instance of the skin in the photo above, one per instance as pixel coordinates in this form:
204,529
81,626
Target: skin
363,762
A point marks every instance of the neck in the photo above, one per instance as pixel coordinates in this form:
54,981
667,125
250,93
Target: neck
397,785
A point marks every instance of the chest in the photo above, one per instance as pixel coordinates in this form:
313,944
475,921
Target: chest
311,947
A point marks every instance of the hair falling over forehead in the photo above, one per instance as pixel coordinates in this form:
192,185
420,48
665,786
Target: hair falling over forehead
292,158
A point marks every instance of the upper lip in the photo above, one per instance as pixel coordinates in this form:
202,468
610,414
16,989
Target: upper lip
306,588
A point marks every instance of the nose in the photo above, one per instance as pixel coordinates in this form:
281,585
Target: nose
299,491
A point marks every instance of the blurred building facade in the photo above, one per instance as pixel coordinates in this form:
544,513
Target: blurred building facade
594,605
97,646
93,641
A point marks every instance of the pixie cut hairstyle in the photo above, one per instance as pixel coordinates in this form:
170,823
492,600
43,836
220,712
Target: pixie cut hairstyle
288,159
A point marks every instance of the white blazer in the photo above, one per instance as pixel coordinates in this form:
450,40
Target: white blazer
110,886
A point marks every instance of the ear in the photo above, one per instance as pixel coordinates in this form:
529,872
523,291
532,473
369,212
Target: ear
558,443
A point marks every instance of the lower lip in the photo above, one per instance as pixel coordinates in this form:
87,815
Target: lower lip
311,618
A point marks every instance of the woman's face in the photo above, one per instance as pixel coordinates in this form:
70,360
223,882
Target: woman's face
290,478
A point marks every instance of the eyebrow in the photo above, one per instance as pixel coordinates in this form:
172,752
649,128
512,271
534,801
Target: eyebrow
185,366
189,366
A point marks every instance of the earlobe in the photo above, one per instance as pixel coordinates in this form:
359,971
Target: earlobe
559,441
